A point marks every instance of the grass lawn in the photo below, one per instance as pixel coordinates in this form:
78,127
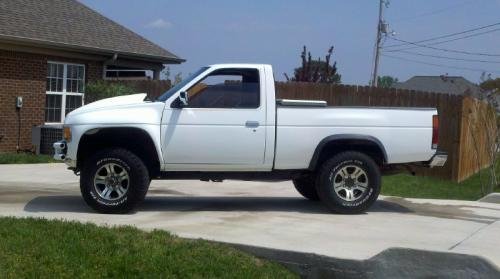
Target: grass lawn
25,158
408,186
38,248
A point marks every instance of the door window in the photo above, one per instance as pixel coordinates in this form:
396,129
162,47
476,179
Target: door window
226,88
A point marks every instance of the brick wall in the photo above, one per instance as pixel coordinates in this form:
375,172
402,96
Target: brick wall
23,74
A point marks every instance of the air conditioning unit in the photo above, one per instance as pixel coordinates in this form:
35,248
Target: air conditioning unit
42,137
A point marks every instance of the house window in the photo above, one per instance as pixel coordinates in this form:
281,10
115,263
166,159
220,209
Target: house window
65,88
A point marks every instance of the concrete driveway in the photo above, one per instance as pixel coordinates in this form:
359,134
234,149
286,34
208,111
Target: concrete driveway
269,215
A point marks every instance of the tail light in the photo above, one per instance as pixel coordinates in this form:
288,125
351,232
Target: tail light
435,131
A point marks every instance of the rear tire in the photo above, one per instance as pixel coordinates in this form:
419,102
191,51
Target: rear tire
114,181
306,187
349,182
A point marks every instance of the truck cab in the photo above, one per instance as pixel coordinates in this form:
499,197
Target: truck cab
226,122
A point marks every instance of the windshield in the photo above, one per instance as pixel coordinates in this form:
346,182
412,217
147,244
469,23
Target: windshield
178,86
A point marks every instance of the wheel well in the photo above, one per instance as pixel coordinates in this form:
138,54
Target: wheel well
328,148
135,140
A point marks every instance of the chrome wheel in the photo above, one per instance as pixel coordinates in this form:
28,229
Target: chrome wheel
111,181
350,182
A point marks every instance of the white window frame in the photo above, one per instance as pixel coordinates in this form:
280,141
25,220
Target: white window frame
64,93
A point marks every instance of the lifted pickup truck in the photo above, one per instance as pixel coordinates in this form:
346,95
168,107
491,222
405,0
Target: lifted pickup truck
223,122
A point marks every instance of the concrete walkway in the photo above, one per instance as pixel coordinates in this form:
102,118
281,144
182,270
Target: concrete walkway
268,215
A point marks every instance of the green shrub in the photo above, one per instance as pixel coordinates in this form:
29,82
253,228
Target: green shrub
103,89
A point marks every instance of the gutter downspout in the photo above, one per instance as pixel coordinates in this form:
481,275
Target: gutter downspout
108,62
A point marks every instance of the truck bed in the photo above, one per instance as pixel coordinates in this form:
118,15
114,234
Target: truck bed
406,134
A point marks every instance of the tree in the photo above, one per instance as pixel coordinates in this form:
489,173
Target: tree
490,89
177,78
386,81
167,76
316,70
489,84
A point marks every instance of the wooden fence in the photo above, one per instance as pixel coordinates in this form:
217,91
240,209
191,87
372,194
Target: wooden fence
478,134
467,126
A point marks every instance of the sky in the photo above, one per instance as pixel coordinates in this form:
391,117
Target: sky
274,32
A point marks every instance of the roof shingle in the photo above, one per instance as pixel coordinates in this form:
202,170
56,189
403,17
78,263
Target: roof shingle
454,85
69,23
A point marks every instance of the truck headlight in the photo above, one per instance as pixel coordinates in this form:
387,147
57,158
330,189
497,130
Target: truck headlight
67,133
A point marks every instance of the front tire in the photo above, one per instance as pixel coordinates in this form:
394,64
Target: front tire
114,181
349,183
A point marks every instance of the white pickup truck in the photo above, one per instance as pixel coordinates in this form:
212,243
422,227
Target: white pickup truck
224,122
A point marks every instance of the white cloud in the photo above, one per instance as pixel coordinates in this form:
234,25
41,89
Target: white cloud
159,24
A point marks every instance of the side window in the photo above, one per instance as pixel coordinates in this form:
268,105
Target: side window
226,88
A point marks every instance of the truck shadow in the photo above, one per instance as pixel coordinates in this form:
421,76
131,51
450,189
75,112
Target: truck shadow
75,204
178,203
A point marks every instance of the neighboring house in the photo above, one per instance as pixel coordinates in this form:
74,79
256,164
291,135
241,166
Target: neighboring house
454,85
49,51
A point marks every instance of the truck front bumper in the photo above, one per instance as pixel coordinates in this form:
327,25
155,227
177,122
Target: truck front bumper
438,160
60,149
61,153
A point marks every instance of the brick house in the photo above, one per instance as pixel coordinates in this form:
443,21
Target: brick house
49,51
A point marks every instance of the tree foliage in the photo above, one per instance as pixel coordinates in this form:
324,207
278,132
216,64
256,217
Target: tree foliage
316,70
386,81
491,85
491,89
168,76
106,89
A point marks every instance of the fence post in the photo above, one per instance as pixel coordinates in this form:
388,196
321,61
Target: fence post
459,143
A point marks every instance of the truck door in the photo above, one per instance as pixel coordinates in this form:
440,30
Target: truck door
221,127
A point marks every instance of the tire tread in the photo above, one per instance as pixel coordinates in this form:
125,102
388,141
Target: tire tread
326,168
306,186
134,197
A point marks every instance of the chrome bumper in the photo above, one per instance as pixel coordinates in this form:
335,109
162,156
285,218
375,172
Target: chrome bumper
60,149
438,160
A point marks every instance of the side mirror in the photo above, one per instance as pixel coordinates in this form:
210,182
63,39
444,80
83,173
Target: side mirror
183,97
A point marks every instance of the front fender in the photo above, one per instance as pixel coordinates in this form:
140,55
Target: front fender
78,131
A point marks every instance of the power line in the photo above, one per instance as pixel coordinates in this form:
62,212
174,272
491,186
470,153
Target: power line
447,50
442,42
448,57
439,65
454,34
438,11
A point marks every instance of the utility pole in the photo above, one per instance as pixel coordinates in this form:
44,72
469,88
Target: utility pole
380,29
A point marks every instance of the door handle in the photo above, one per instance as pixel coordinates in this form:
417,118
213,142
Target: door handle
252,124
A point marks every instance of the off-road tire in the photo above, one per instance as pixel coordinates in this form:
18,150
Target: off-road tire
333,167
138,183
306,187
